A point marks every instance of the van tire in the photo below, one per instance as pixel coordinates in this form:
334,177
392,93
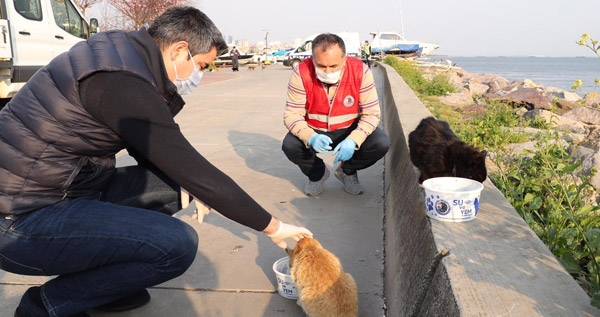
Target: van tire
3,102
295,63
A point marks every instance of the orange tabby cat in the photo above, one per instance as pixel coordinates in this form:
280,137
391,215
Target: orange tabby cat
323,287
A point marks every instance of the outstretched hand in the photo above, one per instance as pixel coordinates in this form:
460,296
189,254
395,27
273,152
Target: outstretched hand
201,210
286,231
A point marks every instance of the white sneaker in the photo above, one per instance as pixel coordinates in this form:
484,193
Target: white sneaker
316,188
351,183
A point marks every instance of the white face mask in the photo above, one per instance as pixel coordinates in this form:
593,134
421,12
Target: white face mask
330,78
185,86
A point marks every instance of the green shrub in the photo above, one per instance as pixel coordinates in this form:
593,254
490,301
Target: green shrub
553,201
541,185
438,86
490,131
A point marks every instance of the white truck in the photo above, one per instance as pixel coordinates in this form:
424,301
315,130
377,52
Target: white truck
294,57
32,33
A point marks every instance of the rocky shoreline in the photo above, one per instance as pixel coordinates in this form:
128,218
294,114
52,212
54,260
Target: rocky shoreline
578,118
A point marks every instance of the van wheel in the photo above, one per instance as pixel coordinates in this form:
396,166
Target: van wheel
295,63
3,102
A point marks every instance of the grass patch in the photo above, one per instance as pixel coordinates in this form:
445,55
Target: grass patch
438,86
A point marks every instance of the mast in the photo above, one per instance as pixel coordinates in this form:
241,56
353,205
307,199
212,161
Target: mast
401,21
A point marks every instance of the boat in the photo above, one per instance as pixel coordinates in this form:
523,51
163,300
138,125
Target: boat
225,59
394,43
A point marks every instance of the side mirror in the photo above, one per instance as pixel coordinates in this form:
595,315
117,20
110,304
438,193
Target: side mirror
93,25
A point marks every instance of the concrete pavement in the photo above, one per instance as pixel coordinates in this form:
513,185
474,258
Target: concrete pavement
235,121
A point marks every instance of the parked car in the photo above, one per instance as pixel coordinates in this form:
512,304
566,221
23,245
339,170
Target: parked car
294,57
33,33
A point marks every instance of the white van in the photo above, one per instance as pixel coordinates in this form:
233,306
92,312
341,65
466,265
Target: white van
34,32
294,57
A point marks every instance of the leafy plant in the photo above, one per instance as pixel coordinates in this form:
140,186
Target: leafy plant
543,188
546,187
594,46
438,86
492,131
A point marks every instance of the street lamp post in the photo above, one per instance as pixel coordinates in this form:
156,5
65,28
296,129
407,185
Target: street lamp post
266,42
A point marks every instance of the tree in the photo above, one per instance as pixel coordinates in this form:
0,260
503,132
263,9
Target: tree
84,4
141,12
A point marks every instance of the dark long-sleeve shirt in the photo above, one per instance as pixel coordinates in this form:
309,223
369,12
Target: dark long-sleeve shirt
136,112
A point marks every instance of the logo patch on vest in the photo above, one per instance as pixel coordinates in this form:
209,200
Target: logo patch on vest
349,101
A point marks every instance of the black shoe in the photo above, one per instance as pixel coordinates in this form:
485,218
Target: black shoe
21,312
129,302
31,305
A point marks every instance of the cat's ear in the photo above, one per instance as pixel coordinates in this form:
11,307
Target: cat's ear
484,153
289,251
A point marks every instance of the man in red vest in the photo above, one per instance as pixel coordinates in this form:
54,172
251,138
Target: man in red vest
332,103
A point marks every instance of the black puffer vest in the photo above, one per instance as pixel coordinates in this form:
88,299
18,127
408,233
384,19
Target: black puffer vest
47,137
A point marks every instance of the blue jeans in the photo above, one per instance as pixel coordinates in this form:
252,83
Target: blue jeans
102,248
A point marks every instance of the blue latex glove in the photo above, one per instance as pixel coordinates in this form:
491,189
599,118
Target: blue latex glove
346,149
320,142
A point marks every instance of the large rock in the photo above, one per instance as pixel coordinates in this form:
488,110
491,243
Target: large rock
531,98
497,83
527,130
585,115
477,88
521,111
592,100
457,99
528,83
456,81
516,149
512,86
564,106
574,138
589,159
484,78
472,111
559,122
554,92
592,141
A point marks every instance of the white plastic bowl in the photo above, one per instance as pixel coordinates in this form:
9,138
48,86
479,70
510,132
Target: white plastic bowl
285,285
452,199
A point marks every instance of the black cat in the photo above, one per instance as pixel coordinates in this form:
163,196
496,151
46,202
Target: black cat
436,151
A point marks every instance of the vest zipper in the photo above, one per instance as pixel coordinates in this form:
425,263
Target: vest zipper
71,178
332,100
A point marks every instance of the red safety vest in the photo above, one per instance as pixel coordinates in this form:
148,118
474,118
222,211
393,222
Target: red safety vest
344,110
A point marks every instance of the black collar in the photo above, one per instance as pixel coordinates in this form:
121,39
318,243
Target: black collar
150,52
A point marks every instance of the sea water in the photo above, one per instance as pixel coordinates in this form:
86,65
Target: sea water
560,72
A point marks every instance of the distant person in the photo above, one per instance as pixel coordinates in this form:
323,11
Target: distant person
368,53
332,103
107,233
235,55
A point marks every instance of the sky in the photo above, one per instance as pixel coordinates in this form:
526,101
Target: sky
459,27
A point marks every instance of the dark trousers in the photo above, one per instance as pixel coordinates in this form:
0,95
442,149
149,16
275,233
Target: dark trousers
101,248
368,61
373,149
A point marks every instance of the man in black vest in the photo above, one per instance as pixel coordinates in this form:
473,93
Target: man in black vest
65,210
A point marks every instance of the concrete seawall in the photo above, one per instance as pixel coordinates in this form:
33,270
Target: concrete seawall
492,266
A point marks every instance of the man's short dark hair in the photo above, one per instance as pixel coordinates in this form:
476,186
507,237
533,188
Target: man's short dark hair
190,25
326,40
